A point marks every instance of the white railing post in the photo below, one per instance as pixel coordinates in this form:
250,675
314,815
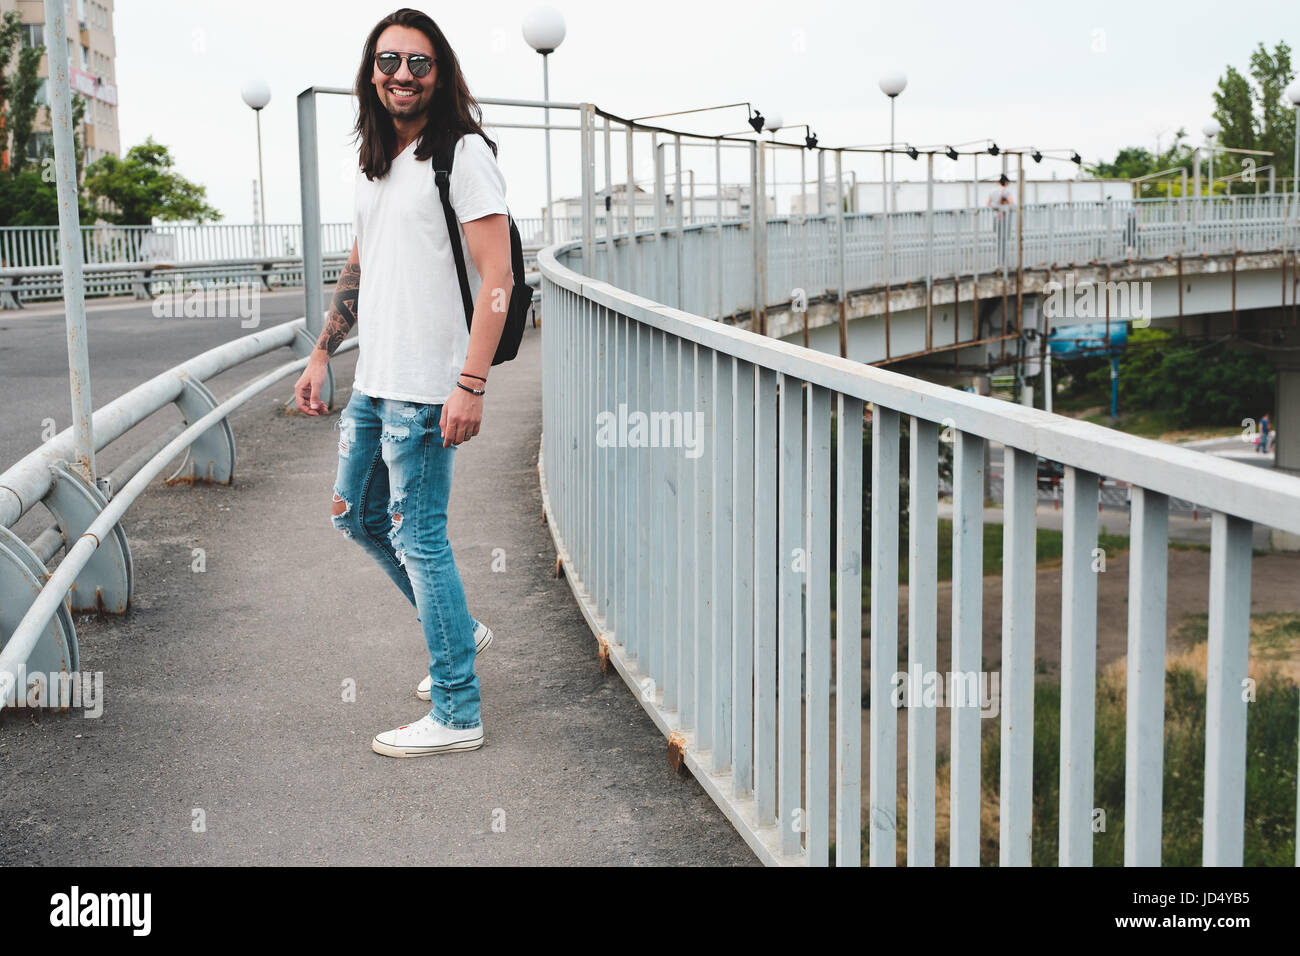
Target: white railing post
1015,810
848,632
922,636
1144,738
791,555
718,449
745,465
1078,666
817,647
967,648
1225,681
882,848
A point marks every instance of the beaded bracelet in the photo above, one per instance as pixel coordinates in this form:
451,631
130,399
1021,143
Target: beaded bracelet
472,391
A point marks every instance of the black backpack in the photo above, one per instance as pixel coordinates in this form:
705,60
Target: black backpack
521,296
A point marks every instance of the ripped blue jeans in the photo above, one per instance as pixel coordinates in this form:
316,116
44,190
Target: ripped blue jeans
390,497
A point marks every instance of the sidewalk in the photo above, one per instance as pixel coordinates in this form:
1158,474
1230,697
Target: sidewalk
224,690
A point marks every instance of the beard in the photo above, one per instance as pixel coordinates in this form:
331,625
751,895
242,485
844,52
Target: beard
411,106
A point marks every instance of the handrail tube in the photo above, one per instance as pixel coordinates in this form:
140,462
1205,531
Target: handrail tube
29,480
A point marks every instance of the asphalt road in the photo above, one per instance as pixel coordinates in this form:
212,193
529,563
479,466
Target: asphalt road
226,736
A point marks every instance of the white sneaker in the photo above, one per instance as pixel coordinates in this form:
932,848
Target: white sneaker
424,737
482,638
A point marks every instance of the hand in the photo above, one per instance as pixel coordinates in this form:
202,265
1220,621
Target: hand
306,390
461,415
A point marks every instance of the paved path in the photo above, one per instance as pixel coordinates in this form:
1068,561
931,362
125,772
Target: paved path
224,689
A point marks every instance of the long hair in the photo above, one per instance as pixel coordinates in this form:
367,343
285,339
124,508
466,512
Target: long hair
452,111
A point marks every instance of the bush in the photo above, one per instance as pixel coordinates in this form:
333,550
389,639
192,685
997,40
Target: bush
1193,385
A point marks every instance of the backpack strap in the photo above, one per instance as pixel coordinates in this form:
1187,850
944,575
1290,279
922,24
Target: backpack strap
442,175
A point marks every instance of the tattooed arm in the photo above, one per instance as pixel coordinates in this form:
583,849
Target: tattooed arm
342,316
343,309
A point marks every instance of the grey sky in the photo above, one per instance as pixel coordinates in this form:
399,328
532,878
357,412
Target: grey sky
1048,74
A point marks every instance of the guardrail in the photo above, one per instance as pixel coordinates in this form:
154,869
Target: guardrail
96,571
144,280
28,246
700,516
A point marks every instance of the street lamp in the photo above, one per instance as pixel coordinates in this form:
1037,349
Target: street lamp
891,84
544,32
1293,94
257,94
1211,131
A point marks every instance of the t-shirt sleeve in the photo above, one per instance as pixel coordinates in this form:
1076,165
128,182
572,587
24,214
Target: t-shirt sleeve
478,188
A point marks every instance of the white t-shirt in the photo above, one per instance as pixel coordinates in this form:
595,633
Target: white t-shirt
411,332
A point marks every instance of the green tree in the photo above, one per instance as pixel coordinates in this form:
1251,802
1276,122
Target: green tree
10,32
1194,384
1252,116
1133,162
1272,74
1234,108
11,27
143,186
21,113
27,199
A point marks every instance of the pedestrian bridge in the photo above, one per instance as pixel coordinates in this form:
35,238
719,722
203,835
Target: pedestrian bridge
726,585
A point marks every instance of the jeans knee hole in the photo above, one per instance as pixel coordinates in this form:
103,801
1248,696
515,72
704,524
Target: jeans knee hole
340,512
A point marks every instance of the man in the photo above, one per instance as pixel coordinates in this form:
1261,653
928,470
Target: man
421,376
999,198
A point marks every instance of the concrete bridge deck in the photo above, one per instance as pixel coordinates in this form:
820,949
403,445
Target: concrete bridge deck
224,689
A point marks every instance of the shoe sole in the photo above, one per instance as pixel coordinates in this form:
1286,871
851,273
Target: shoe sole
389,750
478,649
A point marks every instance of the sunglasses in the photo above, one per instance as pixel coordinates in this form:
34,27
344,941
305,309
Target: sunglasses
417,63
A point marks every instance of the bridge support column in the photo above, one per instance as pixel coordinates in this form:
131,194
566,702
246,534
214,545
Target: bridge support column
1287,418
1286,422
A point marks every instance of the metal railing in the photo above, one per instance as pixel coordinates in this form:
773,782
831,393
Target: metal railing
87,518
36,246
701,516
144,280
907,247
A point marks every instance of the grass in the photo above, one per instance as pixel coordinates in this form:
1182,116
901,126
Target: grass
1159,425
1049,545
1271,754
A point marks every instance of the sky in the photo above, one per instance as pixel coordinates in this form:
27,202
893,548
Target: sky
1053,75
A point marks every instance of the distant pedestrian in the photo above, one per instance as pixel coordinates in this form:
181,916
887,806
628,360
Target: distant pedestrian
1001,198
1264,435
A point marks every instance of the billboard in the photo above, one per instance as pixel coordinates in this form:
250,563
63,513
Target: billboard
1084,341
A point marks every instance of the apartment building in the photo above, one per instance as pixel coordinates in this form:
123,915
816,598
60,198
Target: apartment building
90,51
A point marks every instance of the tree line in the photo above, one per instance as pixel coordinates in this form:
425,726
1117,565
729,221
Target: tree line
1252,114
132,190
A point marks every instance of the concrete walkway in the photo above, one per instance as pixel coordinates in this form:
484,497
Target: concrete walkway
226,737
